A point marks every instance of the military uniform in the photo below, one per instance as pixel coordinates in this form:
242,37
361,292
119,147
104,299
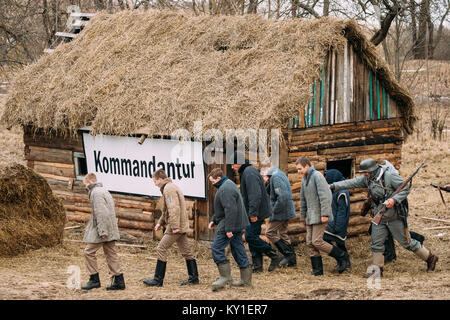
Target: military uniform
381,184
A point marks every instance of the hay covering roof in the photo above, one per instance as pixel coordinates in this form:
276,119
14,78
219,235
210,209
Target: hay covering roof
163,70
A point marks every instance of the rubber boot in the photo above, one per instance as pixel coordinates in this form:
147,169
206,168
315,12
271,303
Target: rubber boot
317,266
192,273
117,283
288,252
341,257
257,264
246,278
224,276
275,259
158,279
425,254
94,282
378,260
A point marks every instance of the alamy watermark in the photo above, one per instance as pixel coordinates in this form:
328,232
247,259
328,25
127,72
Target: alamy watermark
253,141
374,280
74,280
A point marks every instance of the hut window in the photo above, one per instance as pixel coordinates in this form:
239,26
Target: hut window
345,166
80,165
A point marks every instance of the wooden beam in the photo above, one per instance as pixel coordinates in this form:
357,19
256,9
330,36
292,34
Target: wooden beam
65,34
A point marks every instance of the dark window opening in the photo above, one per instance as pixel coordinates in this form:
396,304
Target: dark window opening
344,166
80,165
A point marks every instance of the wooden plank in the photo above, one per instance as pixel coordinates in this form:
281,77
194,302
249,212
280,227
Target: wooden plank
55,169
65,34
49,155
358,149
340,83
332,105
434,219
33,137
82,15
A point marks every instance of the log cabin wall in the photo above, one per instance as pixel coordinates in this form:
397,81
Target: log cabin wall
54,157
350,117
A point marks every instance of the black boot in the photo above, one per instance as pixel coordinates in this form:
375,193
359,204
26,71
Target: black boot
158,279
94,282
417,236
341,258
118,283
275,259
192,272
389,249
288,252
257,266
317,266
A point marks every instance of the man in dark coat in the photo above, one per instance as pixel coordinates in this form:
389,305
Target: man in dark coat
283,209
336,230
257,205
231,218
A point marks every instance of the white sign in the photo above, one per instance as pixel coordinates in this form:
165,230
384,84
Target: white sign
124,165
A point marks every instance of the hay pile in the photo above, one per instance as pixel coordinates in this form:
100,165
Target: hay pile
163,70
30,216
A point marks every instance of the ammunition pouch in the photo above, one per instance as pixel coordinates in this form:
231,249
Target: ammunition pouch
402,209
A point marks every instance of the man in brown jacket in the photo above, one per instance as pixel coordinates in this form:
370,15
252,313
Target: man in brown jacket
101,231
175,218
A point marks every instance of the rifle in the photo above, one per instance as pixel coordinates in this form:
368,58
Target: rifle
445,188
367,205
376,220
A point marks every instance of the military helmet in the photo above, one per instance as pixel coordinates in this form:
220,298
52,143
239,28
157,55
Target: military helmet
368,165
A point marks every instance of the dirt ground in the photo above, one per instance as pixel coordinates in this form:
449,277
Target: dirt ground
43,274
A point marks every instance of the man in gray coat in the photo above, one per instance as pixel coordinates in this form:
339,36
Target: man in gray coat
315,212
382,182
101,231
283,209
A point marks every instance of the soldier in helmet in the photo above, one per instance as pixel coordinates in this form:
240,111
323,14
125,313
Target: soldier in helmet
382,183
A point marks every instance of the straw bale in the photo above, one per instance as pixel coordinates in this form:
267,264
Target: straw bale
163,70
30,216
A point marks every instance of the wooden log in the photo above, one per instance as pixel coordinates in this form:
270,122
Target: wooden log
294,228
358,229
342,127
53,168
38,138
77,218
138,233
49,155
123,215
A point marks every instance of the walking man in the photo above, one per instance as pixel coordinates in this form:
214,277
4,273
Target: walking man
382,183
101,231
257,205
280,193
315,212
175,218
336,230
231,218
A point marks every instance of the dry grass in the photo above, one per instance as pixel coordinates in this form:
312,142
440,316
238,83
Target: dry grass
31,216
159,71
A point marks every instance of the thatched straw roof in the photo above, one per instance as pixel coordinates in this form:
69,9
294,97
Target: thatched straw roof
164,70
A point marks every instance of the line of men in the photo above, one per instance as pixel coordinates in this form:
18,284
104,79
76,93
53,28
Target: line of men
324,212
